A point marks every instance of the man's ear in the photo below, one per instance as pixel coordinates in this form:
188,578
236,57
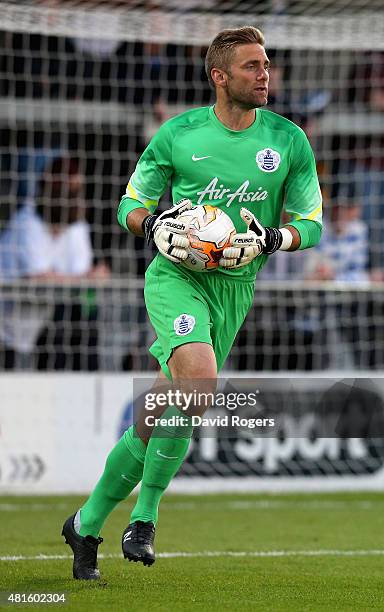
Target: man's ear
219,77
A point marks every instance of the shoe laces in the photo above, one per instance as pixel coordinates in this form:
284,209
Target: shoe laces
143,532
88,554
94,541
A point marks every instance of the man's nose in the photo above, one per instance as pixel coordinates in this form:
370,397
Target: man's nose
263,75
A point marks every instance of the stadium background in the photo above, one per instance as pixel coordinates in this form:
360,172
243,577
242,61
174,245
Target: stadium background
94,80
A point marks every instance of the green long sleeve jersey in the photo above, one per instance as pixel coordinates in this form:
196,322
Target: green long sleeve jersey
267,168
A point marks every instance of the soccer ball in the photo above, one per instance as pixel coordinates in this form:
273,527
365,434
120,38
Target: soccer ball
210,231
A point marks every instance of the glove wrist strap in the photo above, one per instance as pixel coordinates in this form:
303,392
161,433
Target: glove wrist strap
273,240
147,227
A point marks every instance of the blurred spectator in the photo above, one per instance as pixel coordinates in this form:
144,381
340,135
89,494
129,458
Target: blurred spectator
53,67
298,322
369,173
365,86
363,165
49,240
284,267
178,81
342,254
304,110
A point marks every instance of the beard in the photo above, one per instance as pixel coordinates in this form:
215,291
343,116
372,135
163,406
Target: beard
247,100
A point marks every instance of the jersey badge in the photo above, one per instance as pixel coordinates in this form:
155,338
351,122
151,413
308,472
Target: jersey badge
268,160
184,324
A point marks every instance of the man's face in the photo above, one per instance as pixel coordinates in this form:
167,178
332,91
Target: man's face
247,77
63,187
75,186
62,198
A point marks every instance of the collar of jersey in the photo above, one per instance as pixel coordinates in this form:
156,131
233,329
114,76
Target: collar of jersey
235,133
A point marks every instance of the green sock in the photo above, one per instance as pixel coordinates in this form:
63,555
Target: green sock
123,470
166,451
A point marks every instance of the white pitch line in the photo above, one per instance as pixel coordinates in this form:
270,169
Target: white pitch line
262,504
11,507
266,504
210,553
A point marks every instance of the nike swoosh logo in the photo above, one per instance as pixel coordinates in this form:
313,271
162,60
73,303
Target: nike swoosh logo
125,478
194,158
165,456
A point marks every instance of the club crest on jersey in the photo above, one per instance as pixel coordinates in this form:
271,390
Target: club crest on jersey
268,160
184,324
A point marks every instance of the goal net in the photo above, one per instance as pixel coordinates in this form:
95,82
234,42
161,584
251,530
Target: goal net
90,83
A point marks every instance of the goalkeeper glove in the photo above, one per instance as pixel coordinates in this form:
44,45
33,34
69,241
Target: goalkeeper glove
168,233
248,245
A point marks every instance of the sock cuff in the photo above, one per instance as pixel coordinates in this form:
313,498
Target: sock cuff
135,444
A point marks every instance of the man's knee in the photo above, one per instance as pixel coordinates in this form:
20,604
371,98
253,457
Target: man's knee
195,360
194,372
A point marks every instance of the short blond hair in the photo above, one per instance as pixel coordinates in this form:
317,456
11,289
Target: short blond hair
221,49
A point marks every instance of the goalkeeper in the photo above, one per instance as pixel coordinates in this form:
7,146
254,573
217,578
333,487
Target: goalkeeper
251,163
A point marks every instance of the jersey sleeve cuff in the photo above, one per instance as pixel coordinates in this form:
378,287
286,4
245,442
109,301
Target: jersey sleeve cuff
127,204
310,232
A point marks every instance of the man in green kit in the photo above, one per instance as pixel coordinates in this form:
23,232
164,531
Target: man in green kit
251,163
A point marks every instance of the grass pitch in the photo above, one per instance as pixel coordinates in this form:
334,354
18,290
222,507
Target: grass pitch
220,552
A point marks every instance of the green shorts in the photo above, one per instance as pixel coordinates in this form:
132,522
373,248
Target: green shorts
186,306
